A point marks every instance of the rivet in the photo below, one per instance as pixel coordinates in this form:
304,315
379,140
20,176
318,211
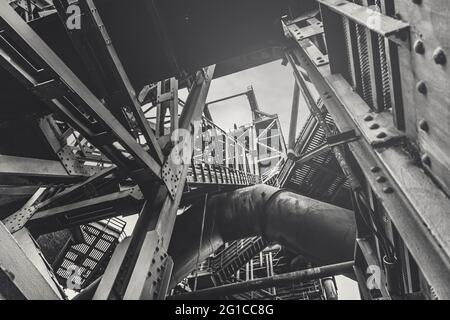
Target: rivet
368,118
422,87
381,179
375,169
374,126
426,160
388,190
419,47
439,56
423,125
381,135
417,1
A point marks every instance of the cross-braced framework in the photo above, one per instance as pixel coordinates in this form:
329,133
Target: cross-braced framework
93,130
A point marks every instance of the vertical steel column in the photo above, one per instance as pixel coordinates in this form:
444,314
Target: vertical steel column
294,117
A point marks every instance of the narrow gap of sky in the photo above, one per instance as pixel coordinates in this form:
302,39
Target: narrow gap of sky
273,84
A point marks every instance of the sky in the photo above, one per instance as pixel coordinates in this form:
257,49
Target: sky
273,84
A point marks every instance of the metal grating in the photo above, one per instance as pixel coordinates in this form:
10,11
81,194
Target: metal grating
370,72
82,263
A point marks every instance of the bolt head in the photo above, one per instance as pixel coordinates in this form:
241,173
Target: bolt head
388,190
439,56
422,87
375,169
423,125
419,47
426,160
381,179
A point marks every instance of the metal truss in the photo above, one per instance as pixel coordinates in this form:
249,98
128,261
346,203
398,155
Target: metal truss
55,84
95,125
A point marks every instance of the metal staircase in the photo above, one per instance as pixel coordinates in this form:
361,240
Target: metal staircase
315,174
230,260
79,264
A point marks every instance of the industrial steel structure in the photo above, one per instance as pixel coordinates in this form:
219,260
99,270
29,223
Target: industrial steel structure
93,130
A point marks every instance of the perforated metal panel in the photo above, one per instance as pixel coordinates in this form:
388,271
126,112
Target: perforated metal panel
82,263
320,177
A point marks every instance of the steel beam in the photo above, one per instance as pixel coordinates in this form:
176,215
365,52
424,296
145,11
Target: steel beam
294,117
17,220
125,202
30,167
23,280
58,141
333,141
64,92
